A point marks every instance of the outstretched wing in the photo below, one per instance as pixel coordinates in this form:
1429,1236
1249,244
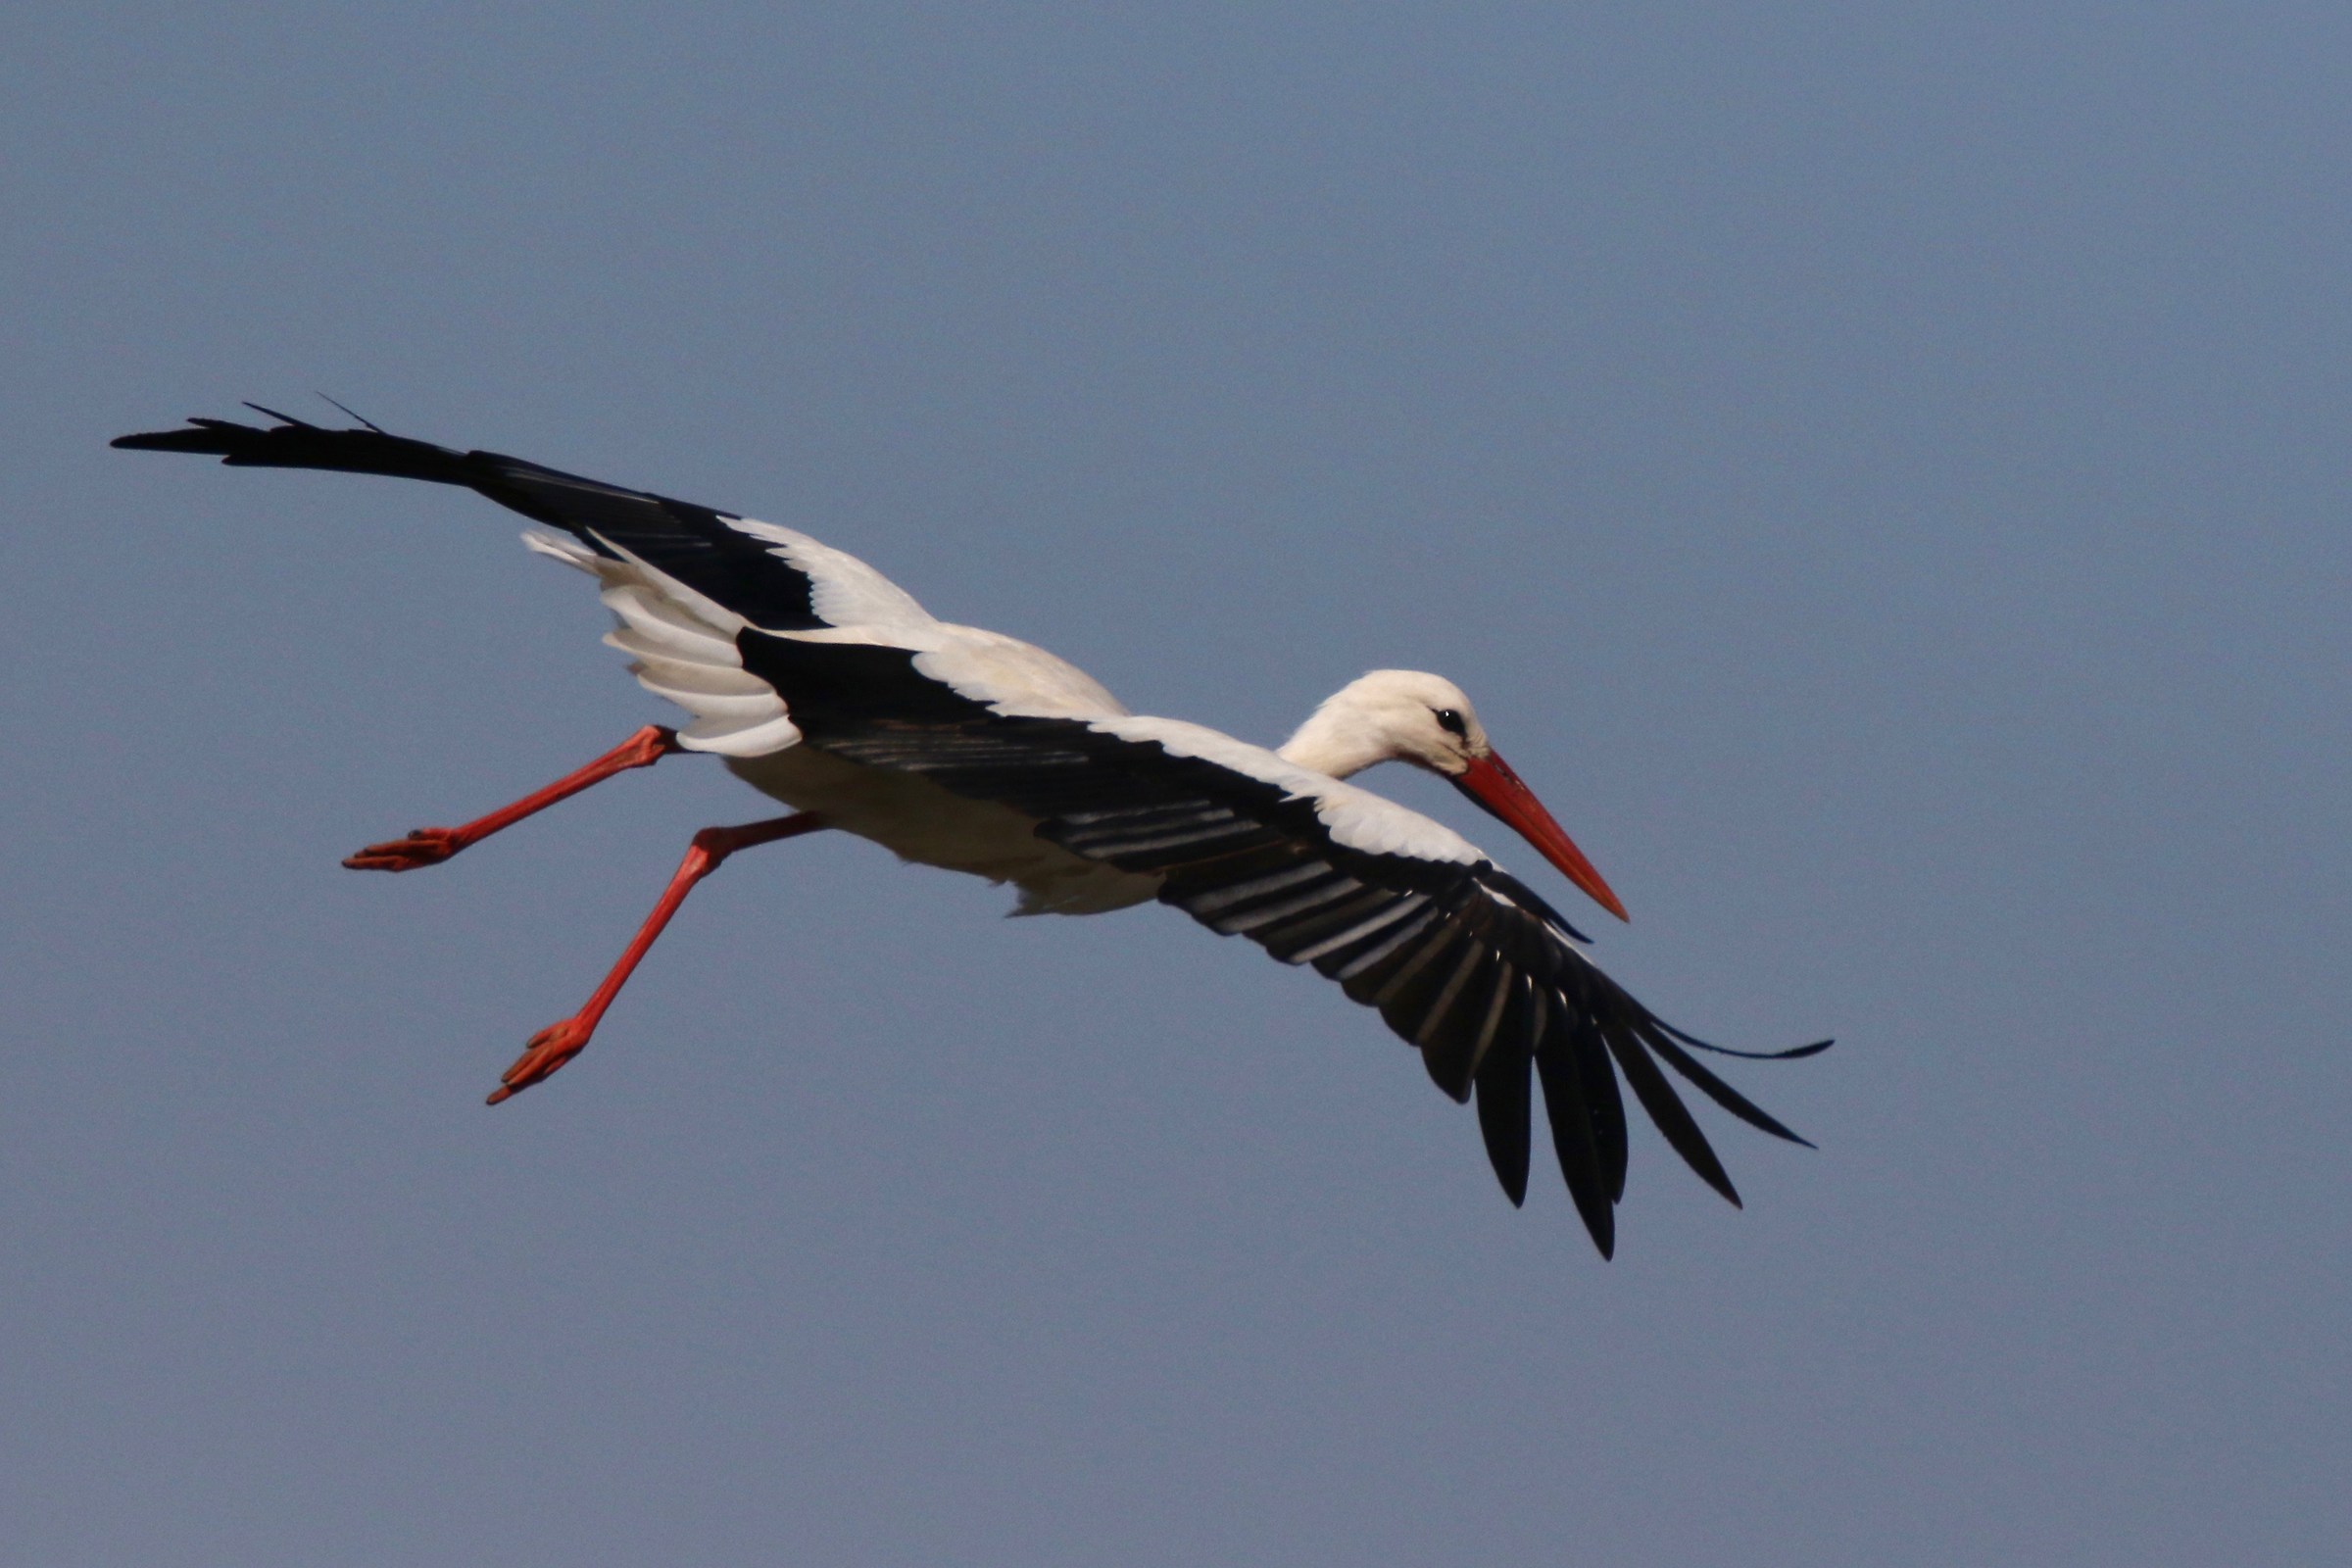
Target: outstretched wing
777,579
683,579
1460,959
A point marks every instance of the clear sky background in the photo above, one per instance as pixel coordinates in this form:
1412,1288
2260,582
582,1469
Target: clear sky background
1882,472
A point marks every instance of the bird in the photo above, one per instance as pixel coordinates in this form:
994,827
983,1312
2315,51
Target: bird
823,685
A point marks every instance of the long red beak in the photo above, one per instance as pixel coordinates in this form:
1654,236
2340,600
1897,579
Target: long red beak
1490,781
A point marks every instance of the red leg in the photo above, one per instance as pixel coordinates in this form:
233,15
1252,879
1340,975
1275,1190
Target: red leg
557,1044
431,846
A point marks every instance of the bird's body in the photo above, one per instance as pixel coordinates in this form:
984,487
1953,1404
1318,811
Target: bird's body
828,688
685,647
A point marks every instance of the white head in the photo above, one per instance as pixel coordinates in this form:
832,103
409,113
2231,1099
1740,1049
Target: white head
1405,715
1391,715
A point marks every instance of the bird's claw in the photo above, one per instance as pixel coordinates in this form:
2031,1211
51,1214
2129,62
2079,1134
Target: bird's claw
427,846
549,1049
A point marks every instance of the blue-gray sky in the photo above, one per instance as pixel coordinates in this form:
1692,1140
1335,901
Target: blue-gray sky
1881,471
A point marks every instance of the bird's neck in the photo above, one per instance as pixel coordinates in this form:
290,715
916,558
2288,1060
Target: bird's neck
1336,742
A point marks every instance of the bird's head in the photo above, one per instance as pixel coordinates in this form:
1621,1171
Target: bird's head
1408,715
1393,716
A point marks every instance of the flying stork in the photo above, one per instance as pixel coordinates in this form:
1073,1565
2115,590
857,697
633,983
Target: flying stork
823,684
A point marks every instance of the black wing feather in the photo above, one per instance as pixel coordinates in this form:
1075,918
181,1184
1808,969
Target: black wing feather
696,545
1666,1108
1576,1128
1715,1089
1503,1102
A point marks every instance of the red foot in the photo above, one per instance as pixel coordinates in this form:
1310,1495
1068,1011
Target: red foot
427,846
549,1049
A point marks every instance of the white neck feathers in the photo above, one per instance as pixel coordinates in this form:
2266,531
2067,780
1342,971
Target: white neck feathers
1336,741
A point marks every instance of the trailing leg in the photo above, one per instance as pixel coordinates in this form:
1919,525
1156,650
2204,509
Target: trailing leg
557,1044
431,846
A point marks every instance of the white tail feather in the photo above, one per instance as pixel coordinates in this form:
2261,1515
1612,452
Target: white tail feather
684,651
731,737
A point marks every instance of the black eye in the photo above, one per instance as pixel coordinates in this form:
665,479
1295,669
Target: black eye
1450,723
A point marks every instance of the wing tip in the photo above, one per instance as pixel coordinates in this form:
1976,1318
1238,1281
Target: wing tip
205,437
1792,1054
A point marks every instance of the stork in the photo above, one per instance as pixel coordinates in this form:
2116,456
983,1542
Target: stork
820,683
